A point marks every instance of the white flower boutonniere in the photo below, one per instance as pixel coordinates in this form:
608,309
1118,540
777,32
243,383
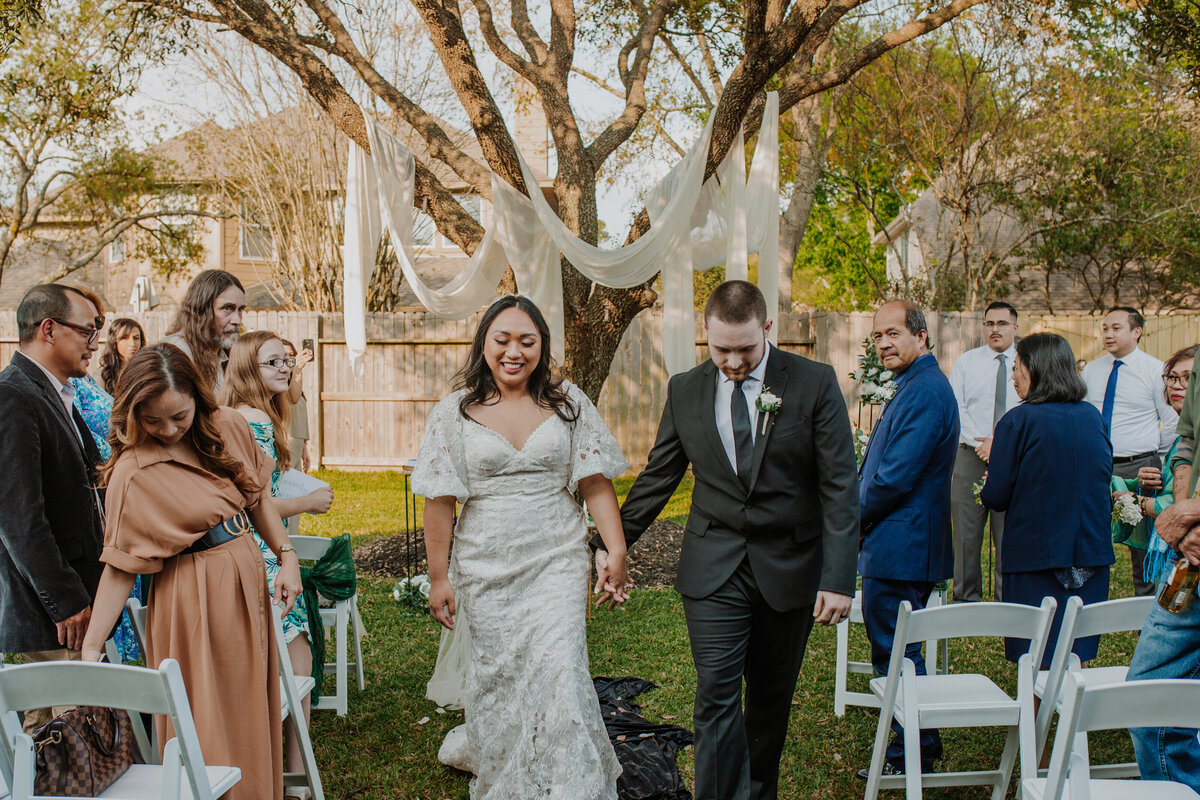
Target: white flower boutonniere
767,404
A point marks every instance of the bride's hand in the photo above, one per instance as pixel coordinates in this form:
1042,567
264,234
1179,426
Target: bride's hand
612,580
441,602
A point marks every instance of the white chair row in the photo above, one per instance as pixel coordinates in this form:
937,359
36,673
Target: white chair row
936,652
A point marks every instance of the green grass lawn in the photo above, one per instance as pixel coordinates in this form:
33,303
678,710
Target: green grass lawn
386,747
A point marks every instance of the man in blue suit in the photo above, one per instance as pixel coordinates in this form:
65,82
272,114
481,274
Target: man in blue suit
904,498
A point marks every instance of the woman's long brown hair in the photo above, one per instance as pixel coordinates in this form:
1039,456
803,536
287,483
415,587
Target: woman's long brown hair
162,368
110,359
244,386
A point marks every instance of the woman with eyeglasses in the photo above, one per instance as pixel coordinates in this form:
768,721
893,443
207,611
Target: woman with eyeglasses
1153,488
256,385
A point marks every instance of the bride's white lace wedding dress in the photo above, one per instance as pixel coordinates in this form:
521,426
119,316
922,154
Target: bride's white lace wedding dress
520,567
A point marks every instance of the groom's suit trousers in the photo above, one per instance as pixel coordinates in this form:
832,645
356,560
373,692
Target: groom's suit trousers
735,633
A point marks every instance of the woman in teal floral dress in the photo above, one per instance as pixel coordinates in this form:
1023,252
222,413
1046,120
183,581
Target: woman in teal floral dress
256,385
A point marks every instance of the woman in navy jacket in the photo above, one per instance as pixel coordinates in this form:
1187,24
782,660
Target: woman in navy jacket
1049,471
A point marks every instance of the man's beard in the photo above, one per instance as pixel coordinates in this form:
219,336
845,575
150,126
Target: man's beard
228,340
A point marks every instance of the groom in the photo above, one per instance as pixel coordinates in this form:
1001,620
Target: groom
771,538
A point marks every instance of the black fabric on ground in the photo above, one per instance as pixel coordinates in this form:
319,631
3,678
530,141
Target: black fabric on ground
646,750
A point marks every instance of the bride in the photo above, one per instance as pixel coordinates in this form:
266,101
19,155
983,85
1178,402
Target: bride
511,446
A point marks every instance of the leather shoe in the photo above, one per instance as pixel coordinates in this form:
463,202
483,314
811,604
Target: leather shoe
889,770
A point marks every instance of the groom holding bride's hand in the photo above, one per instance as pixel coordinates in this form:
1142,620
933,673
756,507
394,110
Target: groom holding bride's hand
771,539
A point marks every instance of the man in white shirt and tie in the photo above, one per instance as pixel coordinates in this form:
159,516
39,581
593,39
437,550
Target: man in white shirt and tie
982,380
1126,384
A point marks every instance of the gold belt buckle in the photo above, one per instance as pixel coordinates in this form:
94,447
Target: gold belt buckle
237,525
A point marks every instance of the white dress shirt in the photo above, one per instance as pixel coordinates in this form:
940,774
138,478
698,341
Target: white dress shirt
1142,420
750,388
973,380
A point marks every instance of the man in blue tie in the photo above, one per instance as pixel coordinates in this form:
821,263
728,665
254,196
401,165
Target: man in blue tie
1126,384
904,498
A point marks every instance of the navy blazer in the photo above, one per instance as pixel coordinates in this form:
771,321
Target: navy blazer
904,493
1050,470
50,527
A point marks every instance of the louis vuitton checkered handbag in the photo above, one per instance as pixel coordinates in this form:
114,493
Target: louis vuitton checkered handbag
81,752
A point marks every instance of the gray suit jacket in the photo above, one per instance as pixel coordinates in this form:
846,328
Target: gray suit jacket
797,524
50,528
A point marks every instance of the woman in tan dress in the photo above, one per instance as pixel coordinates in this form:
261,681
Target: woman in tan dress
184,476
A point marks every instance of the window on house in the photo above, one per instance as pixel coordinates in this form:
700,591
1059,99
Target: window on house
255,237
424,229
116,250
473,205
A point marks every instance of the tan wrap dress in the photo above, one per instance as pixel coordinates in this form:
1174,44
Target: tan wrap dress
208,610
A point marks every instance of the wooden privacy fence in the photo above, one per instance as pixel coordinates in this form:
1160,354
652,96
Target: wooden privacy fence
412,356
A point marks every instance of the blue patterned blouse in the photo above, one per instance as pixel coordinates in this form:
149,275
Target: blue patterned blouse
95,406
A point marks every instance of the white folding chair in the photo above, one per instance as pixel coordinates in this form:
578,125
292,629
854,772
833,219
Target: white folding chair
968,700
293,689
345,622
183,773
844,667
1138,704
1079,622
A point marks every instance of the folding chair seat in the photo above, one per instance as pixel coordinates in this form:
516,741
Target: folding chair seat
183,775
967,700
844,667
346,623
1138,704
1080,622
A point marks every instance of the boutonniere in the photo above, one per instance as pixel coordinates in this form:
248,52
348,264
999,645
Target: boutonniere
767,404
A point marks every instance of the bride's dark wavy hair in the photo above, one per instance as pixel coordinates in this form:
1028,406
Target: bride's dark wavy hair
476,376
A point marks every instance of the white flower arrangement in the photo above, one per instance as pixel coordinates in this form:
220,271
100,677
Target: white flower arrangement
767,404
1125,509
877,385
414,591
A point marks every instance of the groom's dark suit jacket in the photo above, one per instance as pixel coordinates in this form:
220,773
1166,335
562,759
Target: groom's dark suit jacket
798,523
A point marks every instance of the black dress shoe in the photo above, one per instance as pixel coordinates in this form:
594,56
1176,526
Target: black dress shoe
889,770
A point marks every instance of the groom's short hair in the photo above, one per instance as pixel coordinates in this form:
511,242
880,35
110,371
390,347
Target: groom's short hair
736,302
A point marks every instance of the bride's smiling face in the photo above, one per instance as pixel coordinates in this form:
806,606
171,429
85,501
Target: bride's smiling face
512,348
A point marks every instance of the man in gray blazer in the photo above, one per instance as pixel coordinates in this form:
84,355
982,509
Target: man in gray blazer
50,511
771,538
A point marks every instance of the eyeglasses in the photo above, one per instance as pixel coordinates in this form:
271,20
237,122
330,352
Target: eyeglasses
1001,323
92,333
1176,377
278,363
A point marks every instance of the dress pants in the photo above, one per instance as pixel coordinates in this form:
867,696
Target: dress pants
881,601
1137,557
36,717
735,634
1168,647
969,518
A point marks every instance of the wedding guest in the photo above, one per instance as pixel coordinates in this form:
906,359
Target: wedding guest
208,322
1049,470
256,386
1125,385
904,496
298,427
93,402
1169,643
512,445
125,338
983,386
207,602
50,522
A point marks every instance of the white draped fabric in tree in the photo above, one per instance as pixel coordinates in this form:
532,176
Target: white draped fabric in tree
694,225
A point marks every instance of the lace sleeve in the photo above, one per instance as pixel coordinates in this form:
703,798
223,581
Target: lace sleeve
441,466
594,450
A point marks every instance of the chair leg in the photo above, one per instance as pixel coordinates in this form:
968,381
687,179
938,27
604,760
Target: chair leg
841,668
912,757
1007,759
343,631
356,625
312,776
875,771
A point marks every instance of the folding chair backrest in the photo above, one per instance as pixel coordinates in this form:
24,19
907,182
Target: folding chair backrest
310,548
1112,616
137,615
973,620
1135,704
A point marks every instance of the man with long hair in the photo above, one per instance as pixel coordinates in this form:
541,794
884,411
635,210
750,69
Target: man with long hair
207,325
